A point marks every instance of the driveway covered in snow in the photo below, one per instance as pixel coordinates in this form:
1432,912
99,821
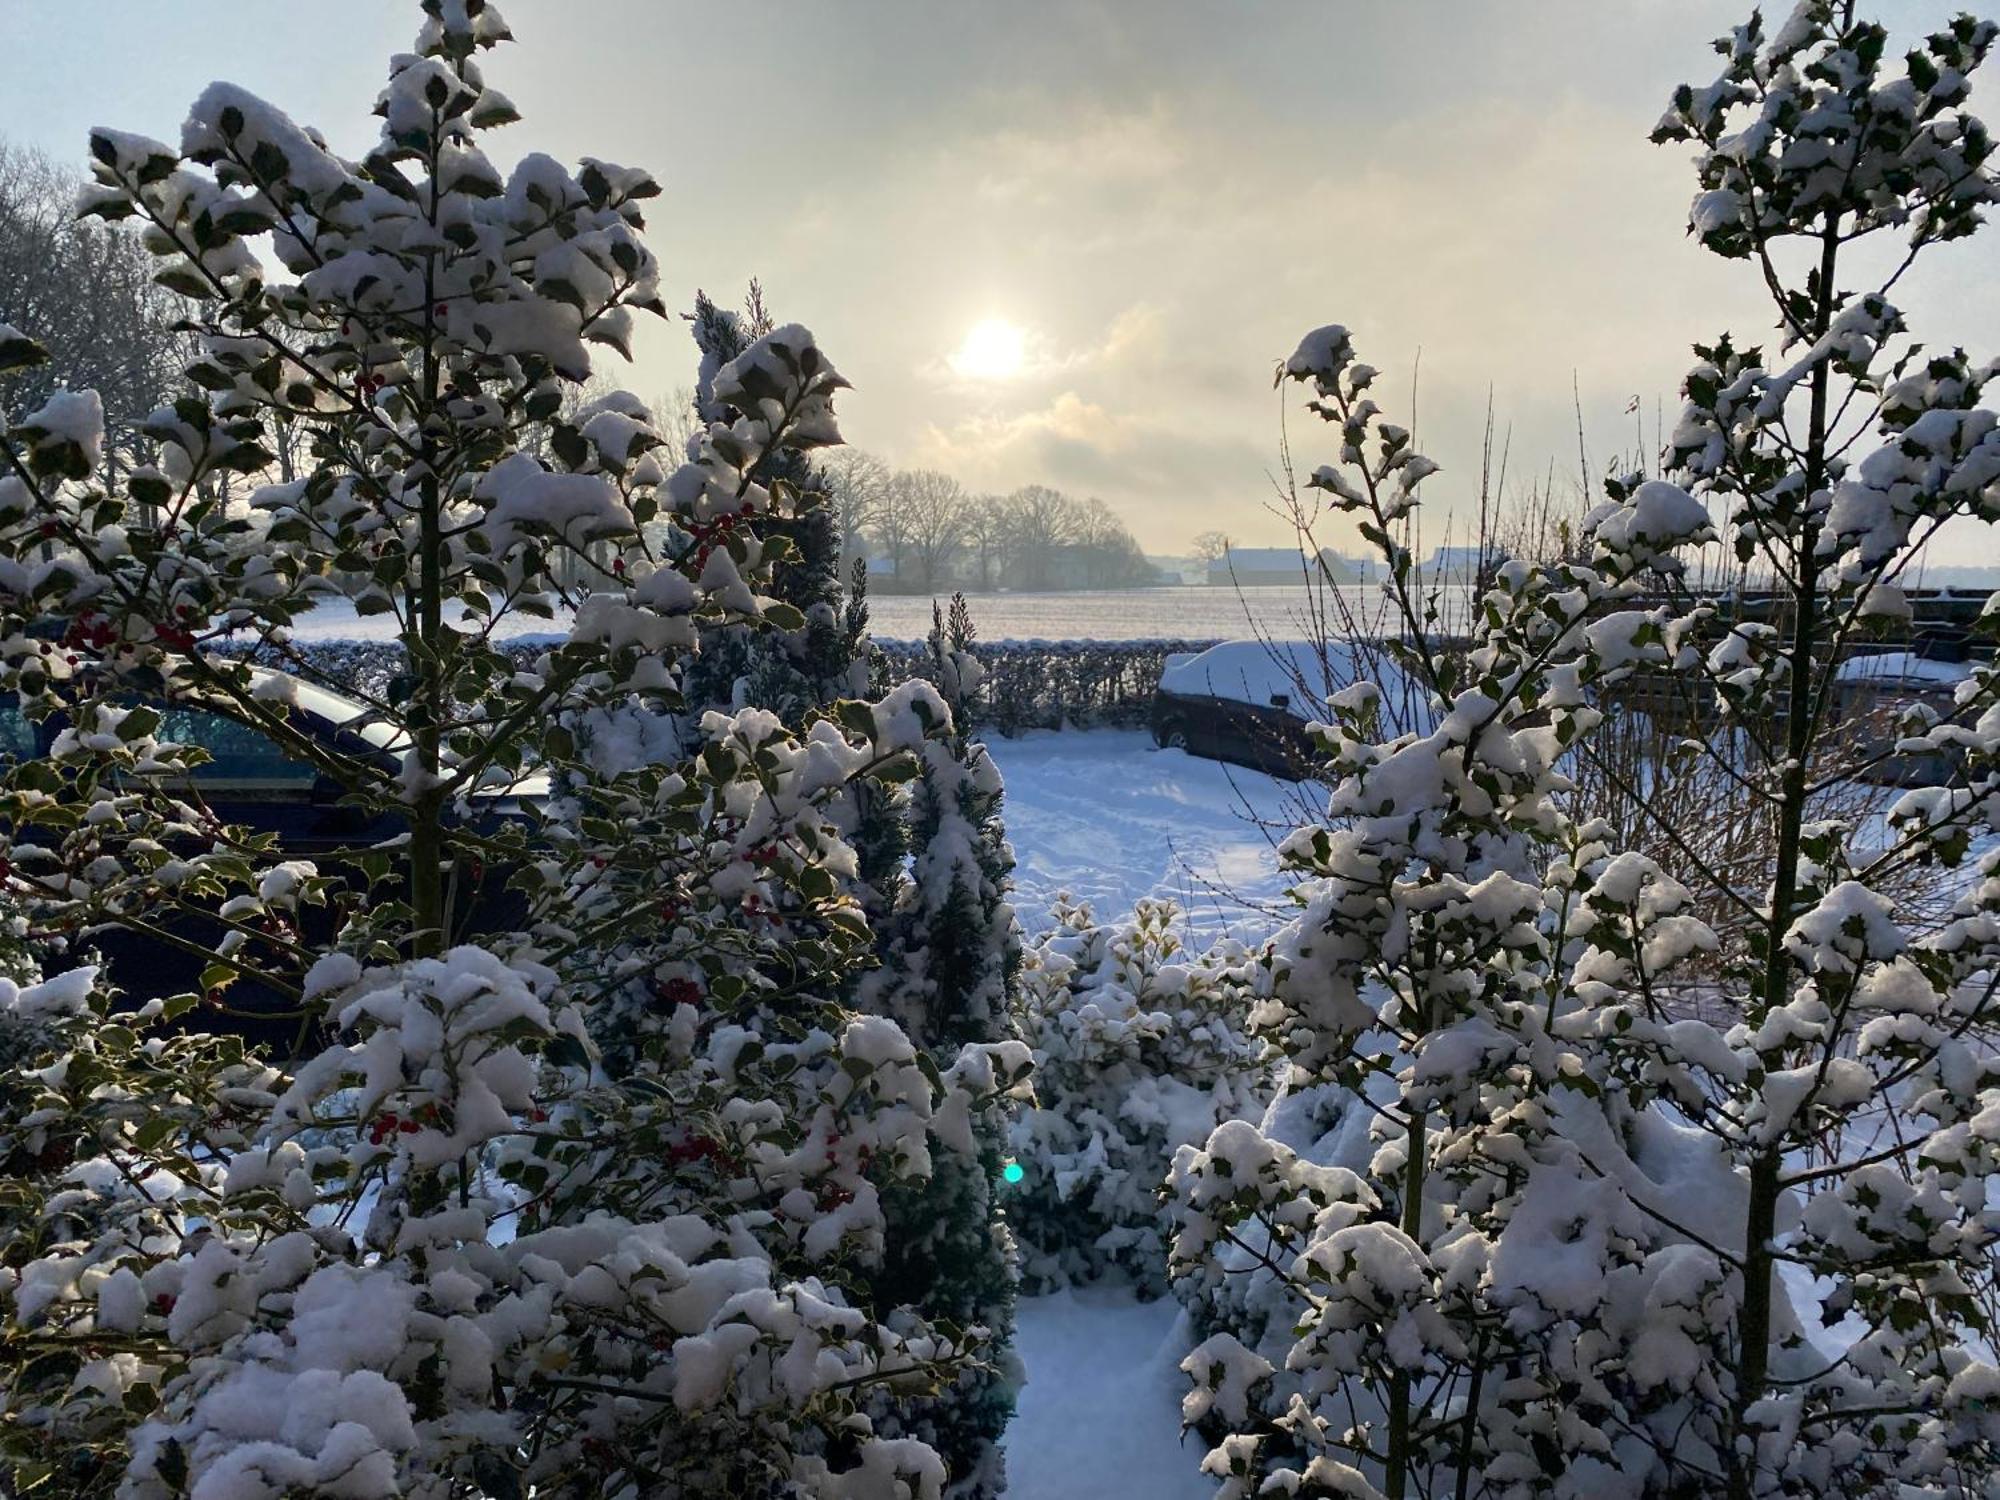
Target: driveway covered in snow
1112,818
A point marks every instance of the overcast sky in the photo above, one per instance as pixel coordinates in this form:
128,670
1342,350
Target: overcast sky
1160,195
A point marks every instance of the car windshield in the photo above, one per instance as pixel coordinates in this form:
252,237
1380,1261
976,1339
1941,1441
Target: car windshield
341,712
238,754
344,713
1902,669
17,735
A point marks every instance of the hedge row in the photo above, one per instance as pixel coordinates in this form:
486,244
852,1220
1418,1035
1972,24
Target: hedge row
1028,684
1047,684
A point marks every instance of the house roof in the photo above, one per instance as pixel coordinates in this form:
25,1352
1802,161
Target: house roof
1262,558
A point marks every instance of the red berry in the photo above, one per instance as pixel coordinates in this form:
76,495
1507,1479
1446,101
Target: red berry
678,991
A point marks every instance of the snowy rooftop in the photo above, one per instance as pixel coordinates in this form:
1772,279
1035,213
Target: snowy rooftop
1261,672
1899,667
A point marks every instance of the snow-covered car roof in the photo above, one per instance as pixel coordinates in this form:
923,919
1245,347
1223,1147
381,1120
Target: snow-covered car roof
323,703
1902,669
1256,671
357,718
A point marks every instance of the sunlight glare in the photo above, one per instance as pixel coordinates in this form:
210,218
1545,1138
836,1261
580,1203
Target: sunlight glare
993,350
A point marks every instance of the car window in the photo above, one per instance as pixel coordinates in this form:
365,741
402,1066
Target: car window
17,735
241,756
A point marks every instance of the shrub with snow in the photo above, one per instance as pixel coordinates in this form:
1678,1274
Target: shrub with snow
1141,1047
950,952
1591,1242
590,1206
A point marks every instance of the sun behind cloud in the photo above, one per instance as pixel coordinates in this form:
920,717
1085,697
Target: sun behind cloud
994,349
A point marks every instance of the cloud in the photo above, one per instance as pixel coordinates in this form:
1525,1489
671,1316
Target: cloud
1181,267
1137,338
1156,473
1163,197
1091,148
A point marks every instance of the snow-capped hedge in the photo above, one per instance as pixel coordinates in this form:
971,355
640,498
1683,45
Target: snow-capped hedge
1037,684
1031,684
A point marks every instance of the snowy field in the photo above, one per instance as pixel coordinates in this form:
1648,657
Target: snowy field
1112,818
1189,614
1192,613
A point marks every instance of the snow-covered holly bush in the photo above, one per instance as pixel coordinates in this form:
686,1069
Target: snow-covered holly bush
584,1203
928,867
112,1144
1141,1046
1651,1207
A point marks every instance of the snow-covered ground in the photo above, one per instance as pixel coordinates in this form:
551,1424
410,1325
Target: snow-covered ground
1100,1417
1111,817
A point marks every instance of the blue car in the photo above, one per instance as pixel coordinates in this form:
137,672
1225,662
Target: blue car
251,781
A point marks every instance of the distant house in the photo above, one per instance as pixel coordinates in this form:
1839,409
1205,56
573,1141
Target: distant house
1253,567
1460,564
1178,569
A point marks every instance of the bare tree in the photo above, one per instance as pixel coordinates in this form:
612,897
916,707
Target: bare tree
923,523
85,290
931,511
1211,547
858,482
991,534
1045,521
1110,555
675,417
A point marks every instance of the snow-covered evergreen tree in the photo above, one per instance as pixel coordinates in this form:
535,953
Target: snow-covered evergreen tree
821,660
950,950
460,1250
931,870
1600,1242
946,945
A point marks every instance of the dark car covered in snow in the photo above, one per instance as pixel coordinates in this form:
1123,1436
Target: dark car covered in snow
1250,702
1871,693
250,780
